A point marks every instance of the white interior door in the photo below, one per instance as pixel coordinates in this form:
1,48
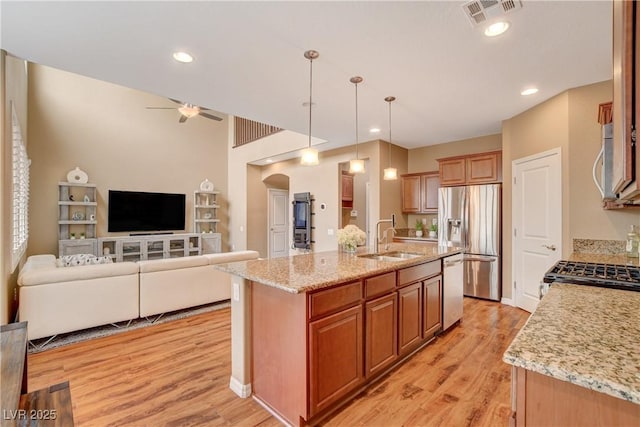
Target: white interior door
278,223
537,223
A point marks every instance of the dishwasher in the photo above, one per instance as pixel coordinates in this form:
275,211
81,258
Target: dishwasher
452,290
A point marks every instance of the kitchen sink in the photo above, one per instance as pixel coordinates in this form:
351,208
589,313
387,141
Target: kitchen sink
391,256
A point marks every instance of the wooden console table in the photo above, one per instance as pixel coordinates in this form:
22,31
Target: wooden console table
49,407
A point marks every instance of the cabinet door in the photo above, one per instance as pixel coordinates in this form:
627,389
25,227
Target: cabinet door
411,193
484,168
432,299
381,337
622,93
429,186
409,317
347,187
452,171
335,357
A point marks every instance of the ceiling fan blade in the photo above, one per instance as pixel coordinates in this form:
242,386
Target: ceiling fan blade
176,101
210,116
183,118
161,108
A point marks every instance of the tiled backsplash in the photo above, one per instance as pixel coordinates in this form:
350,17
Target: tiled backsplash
602,247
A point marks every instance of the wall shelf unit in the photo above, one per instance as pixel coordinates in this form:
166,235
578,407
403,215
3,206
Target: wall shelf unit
205,220
77,221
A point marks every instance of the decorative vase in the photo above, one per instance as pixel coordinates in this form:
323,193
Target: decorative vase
418,233
433,234
77,176
348,248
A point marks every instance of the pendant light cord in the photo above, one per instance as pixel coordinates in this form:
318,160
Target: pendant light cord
389,157
310,95
357,157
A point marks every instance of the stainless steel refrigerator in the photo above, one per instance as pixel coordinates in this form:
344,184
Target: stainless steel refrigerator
469,217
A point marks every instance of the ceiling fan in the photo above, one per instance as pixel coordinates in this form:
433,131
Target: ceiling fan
187,111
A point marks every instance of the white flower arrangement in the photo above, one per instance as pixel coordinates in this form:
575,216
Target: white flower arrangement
350,237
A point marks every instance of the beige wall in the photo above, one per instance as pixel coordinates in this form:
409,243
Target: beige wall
567,121
587,219
13,90
106,130
391,191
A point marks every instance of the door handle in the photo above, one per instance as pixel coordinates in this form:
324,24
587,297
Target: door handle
550,247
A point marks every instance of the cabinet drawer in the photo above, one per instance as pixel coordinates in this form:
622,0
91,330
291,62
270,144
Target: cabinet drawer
329,300
379,285
418,272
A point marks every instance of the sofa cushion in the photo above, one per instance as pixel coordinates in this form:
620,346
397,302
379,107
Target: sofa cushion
82,259
172,263
53,274
225,257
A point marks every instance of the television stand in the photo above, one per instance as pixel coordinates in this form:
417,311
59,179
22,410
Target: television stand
153,233
150,246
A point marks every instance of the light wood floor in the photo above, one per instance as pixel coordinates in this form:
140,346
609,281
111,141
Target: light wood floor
177,374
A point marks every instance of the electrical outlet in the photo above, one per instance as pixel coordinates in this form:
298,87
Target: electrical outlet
330,231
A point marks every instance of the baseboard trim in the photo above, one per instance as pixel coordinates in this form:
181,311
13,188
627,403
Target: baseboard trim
508,301
242,390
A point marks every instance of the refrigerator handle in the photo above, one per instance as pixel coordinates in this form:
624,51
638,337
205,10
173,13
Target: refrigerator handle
465,220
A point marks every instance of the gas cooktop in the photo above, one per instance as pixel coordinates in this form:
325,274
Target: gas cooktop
614,276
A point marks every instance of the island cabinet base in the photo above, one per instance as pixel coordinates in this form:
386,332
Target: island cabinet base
313,352
541,400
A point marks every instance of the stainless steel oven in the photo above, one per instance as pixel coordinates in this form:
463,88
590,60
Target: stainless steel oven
302,213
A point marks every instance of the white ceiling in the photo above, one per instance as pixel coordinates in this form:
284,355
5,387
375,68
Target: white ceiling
451,82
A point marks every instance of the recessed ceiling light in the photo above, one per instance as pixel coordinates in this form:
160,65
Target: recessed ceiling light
496,29
269,160
529,91
182,57
374,130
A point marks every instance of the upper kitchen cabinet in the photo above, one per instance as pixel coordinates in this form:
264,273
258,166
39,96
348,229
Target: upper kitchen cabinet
347,190
482,168
626,166
420,192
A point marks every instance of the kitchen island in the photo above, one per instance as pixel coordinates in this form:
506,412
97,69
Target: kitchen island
320,327
577,359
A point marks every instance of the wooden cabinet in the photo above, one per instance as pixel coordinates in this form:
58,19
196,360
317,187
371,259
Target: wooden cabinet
432,306
452,171
429,186
482,168
335,357
312,351
420,192
410,193
541,400
626,162
409,317
346,191
381,333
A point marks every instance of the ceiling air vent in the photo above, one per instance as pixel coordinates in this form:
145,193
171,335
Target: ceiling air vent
479,11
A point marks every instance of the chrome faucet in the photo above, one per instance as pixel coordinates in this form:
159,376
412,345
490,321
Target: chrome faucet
386,239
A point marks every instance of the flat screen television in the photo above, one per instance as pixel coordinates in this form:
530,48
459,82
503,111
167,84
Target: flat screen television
141,211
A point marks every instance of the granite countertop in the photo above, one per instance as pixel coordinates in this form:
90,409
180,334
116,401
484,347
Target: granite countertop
588,336
316,270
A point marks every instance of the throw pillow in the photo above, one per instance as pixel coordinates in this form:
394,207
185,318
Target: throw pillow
82,259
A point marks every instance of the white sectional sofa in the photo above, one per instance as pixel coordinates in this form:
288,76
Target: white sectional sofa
57,300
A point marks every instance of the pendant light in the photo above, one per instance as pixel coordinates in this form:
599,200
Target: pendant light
310,155
390,173
356,165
